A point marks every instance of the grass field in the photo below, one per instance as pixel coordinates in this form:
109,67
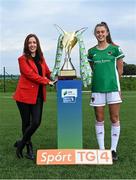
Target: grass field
45,138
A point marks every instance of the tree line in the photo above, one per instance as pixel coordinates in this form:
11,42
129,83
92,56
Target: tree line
129,69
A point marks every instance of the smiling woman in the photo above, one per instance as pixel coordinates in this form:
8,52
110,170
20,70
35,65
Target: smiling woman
106,61
31,92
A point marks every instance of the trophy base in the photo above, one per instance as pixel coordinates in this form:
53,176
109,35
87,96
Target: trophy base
67,75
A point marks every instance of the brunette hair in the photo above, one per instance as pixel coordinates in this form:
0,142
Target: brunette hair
109,39
26,51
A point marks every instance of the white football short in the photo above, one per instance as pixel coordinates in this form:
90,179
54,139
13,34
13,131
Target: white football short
101,99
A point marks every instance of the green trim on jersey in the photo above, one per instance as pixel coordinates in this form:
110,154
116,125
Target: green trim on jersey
105,75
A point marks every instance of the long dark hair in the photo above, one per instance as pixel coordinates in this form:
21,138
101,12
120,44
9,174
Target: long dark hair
26,51
108,38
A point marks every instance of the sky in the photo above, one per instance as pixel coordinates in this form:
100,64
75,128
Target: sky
18,18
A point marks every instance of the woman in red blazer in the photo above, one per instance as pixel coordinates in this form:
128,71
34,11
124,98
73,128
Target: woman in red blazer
31,92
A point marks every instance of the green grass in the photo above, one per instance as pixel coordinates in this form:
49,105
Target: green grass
46,138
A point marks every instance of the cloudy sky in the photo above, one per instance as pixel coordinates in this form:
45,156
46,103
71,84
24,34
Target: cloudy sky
18,18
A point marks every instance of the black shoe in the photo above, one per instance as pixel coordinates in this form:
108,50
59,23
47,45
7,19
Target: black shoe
29,154
114,156
19,150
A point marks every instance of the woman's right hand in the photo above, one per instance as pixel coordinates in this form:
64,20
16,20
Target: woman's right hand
52,83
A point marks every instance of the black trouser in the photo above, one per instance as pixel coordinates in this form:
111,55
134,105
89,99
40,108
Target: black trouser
31,115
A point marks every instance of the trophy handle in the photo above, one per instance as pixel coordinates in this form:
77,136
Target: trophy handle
59,29
80,31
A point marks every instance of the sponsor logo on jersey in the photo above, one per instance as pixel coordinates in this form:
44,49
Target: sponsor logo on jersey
109,53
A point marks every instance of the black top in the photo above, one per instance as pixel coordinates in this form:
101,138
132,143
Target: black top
38,65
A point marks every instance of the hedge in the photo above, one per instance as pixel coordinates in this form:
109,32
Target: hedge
127,84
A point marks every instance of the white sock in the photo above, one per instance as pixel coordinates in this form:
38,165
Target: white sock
99,127
115,133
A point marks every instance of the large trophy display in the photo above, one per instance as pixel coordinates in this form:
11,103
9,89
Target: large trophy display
69,105
69,90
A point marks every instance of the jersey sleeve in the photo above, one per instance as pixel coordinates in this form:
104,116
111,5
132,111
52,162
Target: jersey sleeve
119,53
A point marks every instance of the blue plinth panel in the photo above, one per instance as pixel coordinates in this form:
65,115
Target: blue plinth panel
69,101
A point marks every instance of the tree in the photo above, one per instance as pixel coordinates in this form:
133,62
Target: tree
129,69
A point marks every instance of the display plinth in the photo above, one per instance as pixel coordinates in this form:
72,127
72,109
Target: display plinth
69,101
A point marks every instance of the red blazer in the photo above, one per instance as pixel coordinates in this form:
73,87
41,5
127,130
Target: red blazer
29,81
